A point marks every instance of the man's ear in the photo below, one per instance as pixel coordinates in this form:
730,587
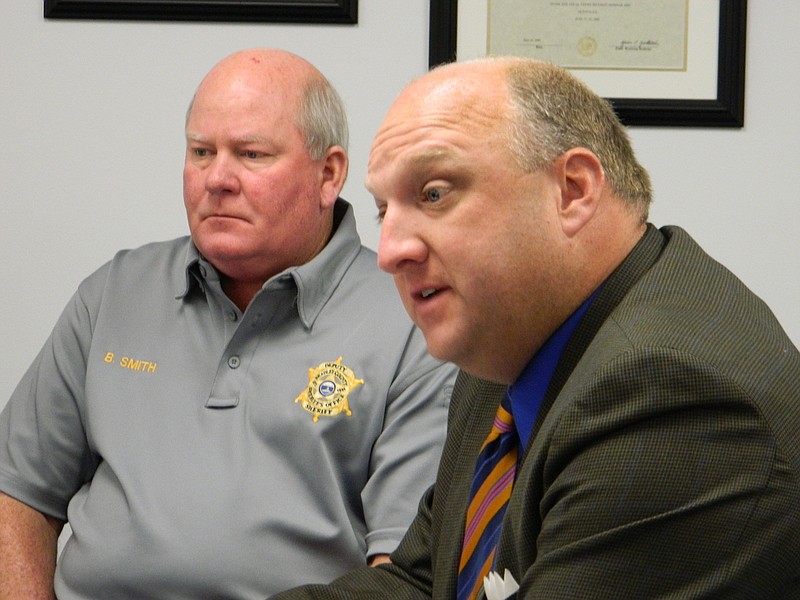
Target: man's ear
582,181
334,174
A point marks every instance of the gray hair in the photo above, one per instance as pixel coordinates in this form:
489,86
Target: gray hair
552,112
321,117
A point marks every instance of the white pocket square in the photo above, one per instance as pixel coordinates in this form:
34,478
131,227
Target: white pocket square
499,588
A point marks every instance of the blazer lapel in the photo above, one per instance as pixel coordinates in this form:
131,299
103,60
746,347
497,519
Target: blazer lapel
619,283
642,257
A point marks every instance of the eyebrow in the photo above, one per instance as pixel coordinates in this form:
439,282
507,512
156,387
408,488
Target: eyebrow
420,160
426,157
247,139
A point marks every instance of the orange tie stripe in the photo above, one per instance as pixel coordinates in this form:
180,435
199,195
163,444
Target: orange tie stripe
491,489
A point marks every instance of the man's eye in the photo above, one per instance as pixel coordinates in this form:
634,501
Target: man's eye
201,152
433,194
251,154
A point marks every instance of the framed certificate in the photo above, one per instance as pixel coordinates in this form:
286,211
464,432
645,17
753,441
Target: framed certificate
660,62
278,11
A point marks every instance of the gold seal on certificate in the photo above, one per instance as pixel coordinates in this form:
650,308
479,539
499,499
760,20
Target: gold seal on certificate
592,34
587,46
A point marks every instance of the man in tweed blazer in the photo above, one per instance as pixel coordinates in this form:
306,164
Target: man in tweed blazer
664,459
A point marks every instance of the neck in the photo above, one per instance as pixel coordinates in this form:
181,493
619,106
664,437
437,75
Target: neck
239,292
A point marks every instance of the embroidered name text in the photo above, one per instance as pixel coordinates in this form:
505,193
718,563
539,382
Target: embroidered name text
132,364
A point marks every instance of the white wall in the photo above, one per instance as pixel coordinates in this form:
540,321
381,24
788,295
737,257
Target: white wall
91,146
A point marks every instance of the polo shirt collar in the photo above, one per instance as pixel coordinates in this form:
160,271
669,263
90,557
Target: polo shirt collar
192,277
315,281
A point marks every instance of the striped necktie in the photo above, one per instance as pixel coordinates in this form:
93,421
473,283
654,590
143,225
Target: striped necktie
491,489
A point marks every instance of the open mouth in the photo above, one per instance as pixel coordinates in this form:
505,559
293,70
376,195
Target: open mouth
427,293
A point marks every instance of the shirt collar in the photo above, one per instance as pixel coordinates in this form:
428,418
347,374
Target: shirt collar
527,392
315,280
192,277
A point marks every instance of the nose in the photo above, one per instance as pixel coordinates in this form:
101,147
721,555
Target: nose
221,175
400,245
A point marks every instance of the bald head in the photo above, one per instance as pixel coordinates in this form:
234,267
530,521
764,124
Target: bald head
264,68
543,111
280,78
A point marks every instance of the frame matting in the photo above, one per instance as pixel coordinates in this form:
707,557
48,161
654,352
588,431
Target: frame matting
726,110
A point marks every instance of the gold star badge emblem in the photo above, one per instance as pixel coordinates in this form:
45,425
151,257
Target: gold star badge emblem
328,387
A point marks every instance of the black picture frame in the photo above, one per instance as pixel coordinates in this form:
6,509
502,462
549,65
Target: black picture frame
726,110
275,11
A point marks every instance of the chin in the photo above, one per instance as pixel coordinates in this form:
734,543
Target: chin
441,347
220,242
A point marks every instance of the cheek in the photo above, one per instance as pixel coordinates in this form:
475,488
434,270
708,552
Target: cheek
482,271
192,187
284,199
402,291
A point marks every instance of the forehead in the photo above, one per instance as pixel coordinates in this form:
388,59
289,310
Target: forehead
241,95
242,119
442,118
256,90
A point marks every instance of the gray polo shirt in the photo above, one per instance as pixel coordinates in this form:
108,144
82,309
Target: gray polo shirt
201,452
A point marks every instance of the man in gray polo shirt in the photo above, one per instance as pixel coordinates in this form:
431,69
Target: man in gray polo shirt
235,413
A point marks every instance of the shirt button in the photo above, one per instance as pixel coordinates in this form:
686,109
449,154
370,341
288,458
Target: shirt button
234,362
232,316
